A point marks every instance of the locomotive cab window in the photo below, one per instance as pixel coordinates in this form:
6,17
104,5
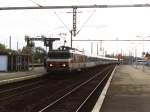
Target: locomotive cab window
59,55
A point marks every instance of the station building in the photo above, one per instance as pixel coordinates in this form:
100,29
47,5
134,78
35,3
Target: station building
12,62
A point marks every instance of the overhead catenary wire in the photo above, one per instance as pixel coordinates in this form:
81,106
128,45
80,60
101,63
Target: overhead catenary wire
86,22
62,21
54,13
111,40
36,3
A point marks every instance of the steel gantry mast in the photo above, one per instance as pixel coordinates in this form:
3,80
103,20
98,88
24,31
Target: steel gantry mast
74,24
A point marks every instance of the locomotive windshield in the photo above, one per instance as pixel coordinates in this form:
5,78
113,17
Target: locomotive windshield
59,55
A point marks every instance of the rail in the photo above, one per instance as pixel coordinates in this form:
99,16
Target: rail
107,70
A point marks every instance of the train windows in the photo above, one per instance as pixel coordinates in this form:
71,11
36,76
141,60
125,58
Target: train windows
73,57
59,55
76,58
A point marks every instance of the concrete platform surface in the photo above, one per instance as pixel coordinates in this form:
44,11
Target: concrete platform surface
9,77
129,91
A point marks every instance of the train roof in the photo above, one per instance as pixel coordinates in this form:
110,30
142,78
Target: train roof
68,49
76,51
103,57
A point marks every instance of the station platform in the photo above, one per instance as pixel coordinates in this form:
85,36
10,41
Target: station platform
9,77
129,90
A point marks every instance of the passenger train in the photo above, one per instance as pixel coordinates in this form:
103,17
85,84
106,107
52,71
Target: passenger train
71,59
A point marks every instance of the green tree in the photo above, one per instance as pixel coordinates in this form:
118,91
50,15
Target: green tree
3,49
28,51
39,54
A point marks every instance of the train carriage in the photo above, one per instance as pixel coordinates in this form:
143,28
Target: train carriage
70,59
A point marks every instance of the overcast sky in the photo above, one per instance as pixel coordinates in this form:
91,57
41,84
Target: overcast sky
110,23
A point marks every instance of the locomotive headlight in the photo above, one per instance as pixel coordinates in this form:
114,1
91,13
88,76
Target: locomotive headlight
63,65
50,65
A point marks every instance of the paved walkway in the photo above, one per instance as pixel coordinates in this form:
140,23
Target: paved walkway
8,77
129,91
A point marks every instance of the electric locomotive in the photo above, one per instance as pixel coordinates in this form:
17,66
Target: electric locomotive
70,59
65,59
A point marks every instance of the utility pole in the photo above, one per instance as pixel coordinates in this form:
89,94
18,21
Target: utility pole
97,48
71,38
91,48
17,45
10,42
100,45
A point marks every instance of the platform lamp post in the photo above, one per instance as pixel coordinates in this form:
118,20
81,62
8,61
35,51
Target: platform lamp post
135,53
143,52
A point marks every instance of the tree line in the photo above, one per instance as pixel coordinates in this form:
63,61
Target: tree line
36,54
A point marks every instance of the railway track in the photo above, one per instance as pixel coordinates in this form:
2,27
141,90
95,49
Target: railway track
79,96
15,91
39,95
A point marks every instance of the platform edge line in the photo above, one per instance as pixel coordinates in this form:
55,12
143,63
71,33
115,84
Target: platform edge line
101,98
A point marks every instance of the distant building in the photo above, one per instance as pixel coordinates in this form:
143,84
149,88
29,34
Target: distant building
147,56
